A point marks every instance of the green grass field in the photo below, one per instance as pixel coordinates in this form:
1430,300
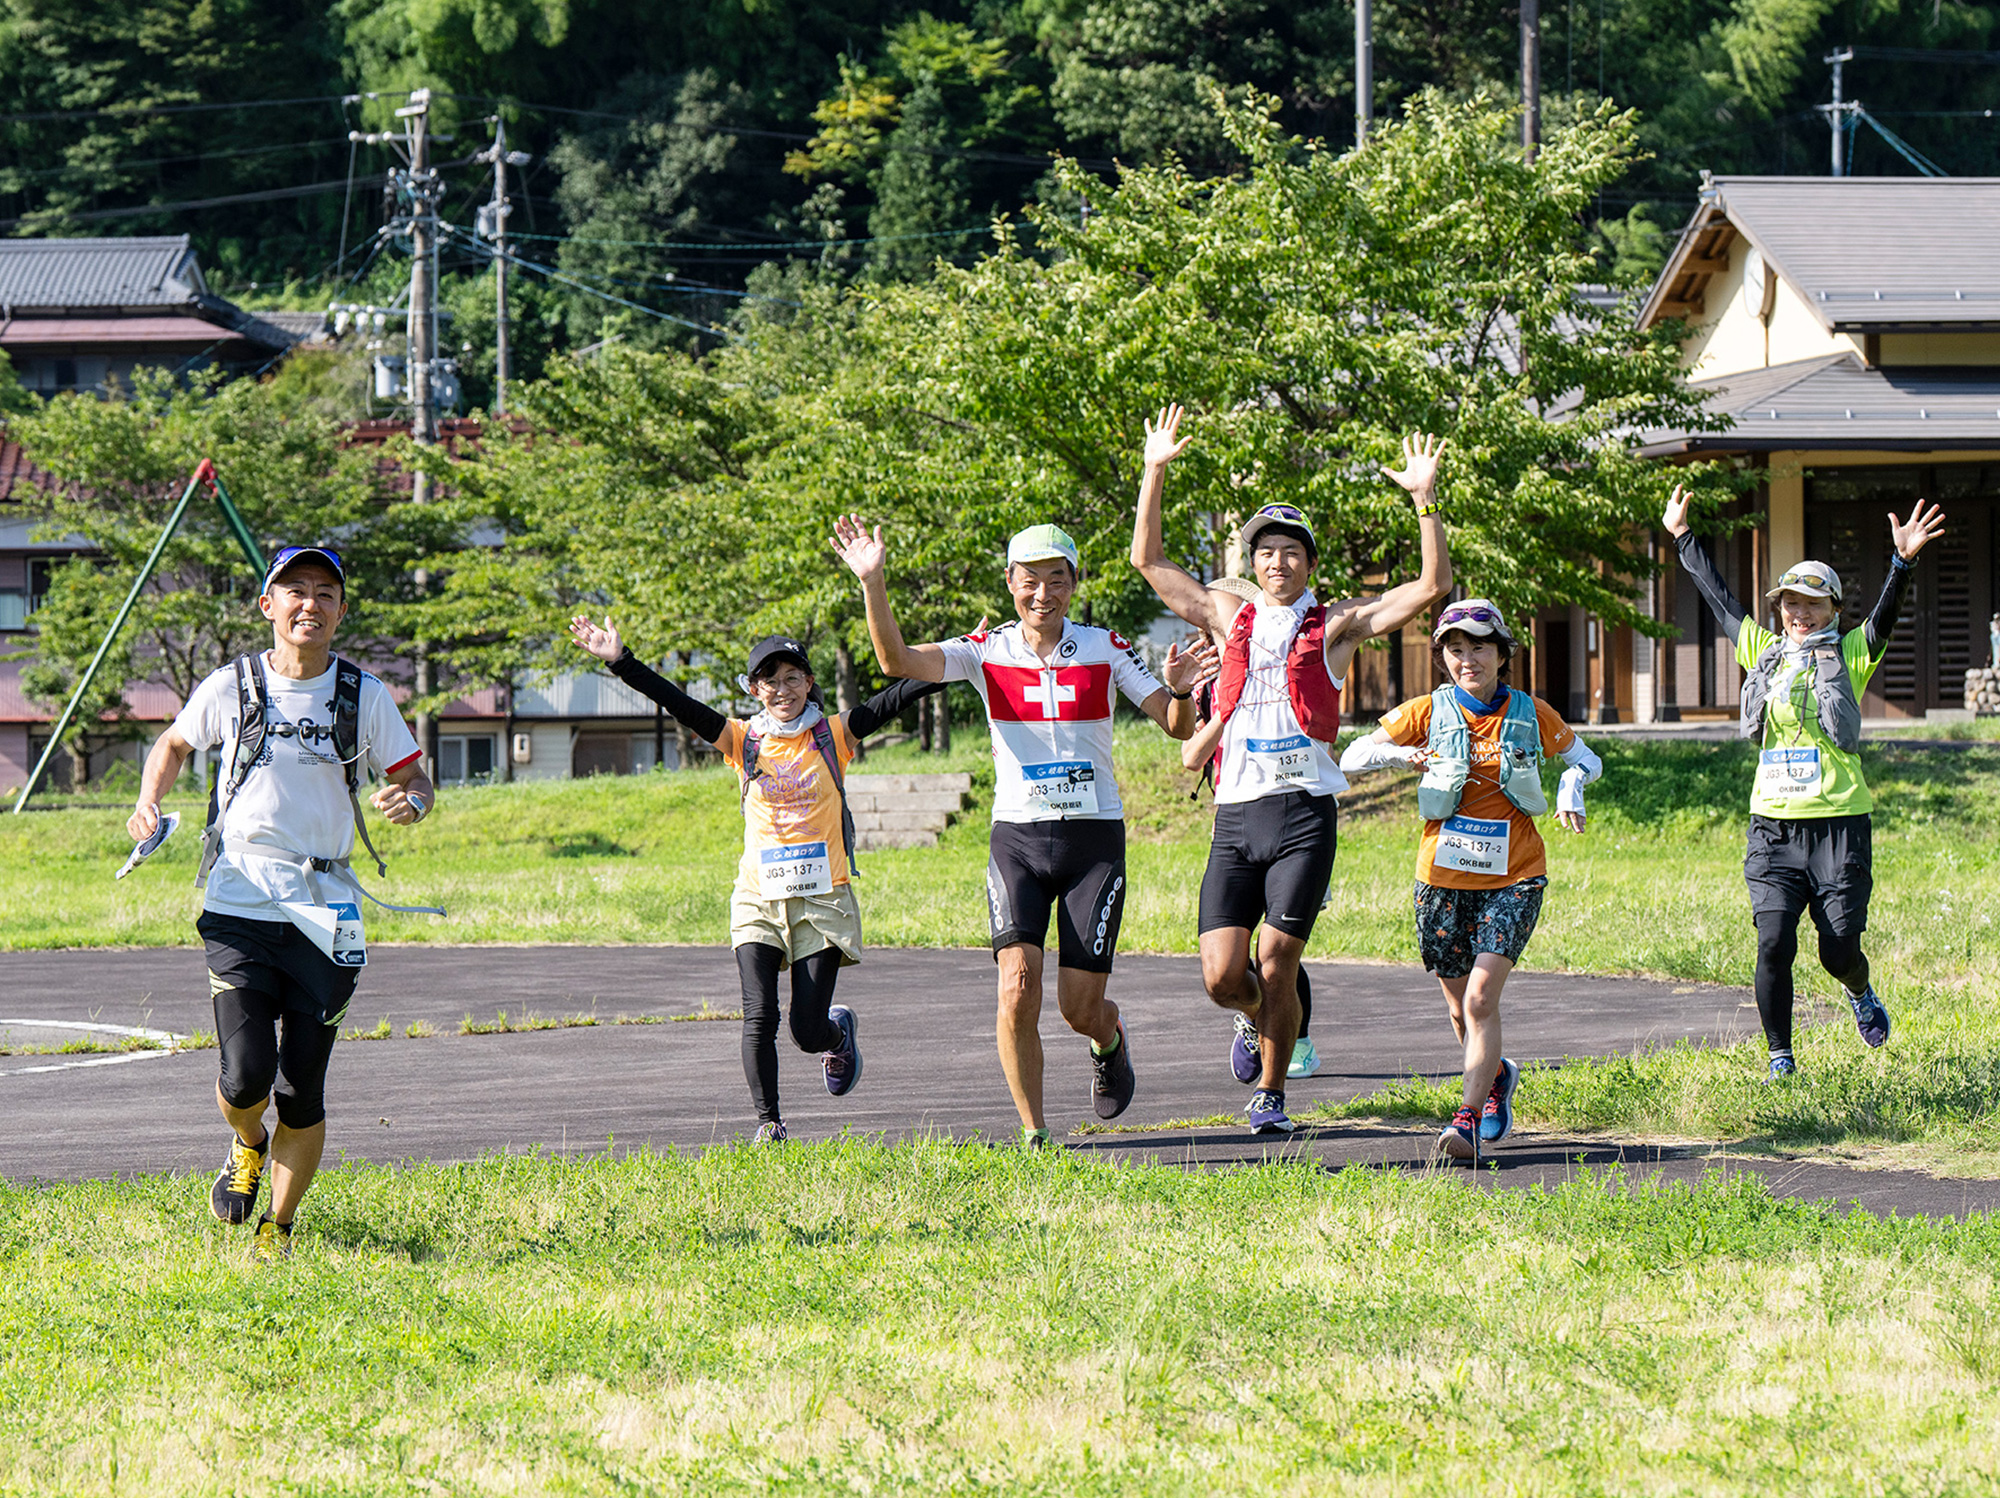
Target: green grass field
931,1319
1654,887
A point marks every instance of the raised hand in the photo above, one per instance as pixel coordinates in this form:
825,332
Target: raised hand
1161,448
602,643
865,554
1922,528
1675,520
1190,664
1421,455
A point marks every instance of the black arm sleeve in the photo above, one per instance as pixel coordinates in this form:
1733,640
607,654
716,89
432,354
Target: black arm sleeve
1881,621
1701,567
698,716
887,705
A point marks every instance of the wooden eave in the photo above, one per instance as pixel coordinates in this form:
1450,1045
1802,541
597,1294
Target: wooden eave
1703,252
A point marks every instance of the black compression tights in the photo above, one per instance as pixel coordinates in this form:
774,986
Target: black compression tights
1777,949
812,995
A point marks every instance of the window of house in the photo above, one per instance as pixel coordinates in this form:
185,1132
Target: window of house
466,759
13,609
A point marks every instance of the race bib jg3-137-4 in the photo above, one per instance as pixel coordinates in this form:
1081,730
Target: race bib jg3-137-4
1066,787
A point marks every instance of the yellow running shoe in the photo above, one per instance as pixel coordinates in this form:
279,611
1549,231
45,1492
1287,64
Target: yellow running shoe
234,1195
273,1243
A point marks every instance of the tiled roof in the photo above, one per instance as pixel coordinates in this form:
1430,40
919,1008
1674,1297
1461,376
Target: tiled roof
1837,401
20,479
1870,254
151,272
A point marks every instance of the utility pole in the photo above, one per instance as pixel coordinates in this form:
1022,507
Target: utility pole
423,349
1837,112
493,226
1531,77
1364,68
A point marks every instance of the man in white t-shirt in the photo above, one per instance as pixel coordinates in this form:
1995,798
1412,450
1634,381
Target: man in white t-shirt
281,916
1277,710
1058,839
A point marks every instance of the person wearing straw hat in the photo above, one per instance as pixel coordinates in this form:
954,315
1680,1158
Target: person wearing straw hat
1049,686
1277,698
1811,843
1481,865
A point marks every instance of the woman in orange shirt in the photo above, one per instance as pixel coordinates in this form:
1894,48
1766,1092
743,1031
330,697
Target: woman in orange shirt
1481,866
793,905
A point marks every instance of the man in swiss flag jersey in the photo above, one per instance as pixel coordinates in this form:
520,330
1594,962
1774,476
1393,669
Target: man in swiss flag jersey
1058,842
1285,657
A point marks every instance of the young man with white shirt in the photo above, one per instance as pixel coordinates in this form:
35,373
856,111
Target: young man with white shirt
281,913
1277,711
1058,840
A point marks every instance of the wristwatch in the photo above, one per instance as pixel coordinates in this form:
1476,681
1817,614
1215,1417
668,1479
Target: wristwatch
1180,696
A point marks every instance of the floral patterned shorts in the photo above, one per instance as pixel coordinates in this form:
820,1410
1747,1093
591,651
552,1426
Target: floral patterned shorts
1455,925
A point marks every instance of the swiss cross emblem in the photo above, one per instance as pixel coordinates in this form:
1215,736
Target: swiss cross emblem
1049,695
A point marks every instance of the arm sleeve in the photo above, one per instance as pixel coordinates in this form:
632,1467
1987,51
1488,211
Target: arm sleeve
390,743
1700,566
1584,767
698,716
203,722
1129,671
887,706
1881,620
1371,753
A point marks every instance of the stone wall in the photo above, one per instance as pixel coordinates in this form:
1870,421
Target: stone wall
1982,692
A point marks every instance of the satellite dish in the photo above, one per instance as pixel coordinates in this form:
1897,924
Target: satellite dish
1759,289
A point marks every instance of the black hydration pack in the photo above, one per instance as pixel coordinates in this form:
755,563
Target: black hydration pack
822,737
253,726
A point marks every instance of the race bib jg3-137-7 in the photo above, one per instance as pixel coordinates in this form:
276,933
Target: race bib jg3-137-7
794,869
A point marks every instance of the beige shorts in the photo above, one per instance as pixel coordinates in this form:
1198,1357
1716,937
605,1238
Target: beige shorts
800,926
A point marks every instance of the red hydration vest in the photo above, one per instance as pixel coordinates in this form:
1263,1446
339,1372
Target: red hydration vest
1315,699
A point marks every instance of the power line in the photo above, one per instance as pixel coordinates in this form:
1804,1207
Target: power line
131,166
137,111
269,195
555,275
783,244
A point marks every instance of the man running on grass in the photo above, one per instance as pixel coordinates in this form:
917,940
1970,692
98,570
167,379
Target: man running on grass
1058,824
282,956
1277,700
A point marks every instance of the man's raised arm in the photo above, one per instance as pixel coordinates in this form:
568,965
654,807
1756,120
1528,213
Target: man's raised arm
1370,618
1178,588
867,556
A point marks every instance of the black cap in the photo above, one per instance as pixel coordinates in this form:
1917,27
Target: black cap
777,648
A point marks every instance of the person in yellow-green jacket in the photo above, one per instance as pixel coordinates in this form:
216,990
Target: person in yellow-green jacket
1810,845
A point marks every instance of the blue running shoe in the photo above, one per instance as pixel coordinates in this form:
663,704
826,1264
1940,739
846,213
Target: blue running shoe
1871,1019
842,1066
1497,1121
1267,1112
1244,1058
1458,1140
1783,1068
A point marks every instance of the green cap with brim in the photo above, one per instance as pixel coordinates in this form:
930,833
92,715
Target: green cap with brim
1043,543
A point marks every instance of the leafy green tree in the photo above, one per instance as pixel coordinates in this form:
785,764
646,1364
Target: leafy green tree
121,466
1311,310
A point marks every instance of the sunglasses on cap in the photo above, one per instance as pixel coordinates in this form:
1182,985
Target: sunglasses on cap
1291,513
1477,613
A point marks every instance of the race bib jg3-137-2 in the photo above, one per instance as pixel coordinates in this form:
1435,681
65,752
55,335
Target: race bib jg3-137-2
1472,846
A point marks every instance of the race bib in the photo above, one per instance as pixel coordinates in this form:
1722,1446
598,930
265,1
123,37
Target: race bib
1066,788
794,869
335,929
1472,846
1787,774
1291,759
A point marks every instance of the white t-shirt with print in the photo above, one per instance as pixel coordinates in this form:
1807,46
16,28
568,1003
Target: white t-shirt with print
1051,723
294,798
1264,750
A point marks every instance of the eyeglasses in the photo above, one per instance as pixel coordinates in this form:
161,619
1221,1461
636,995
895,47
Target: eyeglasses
1283,512
1475,613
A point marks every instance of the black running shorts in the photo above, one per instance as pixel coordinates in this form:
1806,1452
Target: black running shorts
279,1002
1075,868
1271,860
1822,864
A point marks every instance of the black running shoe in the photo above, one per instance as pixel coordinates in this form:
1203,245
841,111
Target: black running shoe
842,1066
1111,1090
234,1195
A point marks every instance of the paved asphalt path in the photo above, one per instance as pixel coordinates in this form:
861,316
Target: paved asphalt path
926,1028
